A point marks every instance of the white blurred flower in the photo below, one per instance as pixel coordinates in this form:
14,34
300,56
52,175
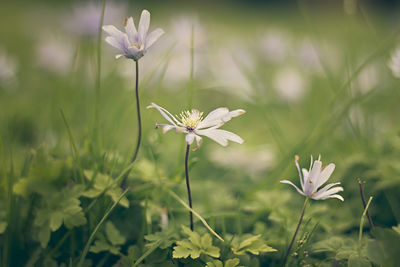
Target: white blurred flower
314,178
275,45
253,162
394,63
193,125
231,77
164,218
368,79
290,84
8,69
308,55
84,20
134,43
55,55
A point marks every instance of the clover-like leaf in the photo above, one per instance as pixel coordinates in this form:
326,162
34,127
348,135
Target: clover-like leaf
100,246
113,235
195,245
251,244
229,263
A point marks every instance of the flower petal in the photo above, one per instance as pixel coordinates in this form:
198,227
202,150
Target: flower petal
220,136
114,32
168,116
113,42
335,196
144,24
153,37
218,117
167,127
189,138
325,174
292,184
199,141
130,30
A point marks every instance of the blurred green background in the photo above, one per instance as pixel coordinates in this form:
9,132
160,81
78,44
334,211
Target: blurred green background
315,77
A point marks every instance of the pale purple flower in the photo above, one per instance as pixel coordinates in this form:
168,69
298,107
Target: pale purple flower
84,20
54,54
314,178
193,125
274,45
394,63
133,43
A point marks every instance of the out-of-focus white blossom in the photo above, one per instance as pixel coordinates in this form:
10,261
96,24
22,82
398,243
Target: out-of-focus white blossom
54,54
230,69
275,45
367,79
394,63
253,162
84,19
289,84
308,56
8,69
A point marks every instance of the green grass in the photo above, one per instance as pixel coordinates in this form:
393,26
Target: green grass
66,142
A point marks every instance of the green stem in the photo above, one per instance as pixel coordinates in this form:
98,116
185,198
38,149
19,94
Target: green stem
362,219
96,229
139,137
295,233
188,185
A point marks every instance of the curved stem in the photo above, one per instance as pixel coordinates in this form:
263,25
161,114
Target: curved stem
295,233
188,185
139,137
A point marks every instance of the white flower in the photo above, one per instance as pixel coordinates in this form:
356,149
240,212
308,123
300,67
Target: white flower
84,19
134,43
193,124
290,85
394,63
314,178
54,54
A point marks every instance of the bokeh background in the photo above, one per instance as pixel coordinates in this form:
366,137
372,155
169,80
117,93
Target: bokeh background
315,77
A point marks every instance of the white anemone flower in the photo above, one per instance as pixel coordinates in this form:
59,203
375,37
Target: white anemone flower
394,63
134,43
314,178
193,125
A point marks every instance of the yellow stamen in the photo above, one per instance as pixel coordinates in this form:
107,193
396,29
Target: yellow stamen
191,119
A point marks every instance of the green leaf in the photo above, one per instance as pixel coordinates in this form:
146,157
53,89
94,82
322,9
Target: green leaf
44,236
56,219
232,263
356,261
195,245
251,244
113,235
100,246
229,263
163,239
214,263
3,227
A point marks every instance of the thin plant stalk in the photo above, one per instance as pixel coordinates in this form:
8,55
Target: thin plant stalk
361,186
295,233
139,119
188,186
98,78
362,219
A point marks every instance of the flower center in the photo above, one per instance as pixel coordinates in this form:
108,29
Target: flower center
190,120
136,44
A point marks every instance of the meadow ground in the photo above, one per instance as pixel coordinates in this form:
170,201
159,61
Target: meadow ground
313,81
